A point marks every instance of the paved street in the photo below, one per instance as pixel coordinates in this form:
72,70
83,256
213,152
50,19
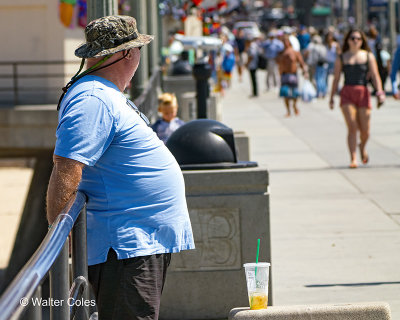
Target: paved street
335,231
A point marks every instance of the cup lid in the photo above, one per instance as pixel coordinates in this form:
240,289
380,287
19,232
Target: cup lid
260,264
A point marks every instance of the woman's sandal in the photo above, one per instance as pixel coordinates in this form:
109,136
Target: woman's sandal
353,166
364,156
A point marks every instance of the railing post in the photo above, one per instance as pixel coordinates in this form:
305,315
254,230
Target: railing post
15,82
59,286
34,312
79,260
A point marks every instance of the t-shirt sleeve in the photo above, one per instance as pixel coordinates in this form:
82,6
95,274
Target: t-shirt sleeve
85,130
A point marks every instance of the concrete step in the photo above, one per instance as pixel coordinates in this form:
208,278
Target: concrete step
350,311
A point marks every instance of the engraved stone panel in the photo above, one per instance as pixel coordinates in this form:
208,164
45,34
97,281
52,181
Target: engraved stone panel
217,237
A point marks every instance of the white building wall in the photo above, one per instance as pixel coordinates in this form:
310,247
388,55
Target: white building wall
32,31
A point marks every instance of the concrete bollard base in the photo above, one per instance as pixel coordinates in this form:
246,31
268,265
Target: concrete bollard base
350,311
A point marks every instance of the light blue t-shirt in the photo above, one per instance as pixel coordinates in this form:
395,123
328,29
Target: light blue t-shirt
135,188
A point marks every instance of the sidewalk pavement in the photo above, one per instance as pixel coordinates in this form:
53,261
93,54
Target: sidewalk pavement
335,231
14,185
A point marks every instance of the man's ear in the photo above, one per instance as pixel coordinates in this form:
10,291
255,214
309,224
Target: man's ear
128,54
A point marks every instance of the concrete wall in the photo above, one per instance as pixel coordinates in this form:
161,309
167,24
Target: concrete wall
229,211
27,131
32,31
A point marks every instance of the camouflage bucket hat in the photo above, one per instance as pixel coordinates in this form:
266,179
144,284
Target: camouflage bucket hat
108,35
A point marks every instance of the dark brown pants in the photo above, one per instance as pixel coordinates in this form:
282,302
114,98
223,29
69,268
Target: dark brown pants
129,289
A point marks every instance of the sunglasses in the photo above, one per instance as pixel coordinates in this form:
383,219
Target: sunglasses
355,38
144,118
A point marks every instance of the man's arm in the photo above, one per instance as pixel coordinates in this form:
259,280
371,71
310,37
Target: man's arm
302,64
63,184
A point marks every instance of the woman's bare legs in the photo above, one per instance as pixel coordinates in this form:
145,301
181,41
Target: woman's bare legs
364,117
350,116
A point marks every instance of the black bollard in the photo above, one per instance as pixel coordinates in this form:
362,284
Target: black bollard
202,72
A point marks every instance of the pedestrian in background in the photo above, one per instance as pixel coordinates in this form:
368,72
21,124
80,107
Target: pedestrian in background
291,34
332,51
252,51
393,73
240,44
383,62
381,55
136,209
373,38
271,47
169,122
315,55
318,65
356,61
228,63
304,38
289,61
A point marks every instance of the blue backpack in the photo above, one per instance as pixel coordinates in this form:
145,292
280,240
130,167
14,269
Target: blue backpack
228,62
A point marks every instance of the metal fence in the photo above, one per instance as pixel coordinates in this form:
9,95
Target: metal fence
37,82
23,295
26,82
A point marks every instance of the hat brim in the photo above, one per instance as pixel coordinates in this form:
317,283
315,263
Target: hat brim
84,51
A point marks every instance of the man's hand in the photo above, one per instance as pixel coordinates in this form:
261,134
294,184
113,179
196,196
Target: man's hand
331,103
64,181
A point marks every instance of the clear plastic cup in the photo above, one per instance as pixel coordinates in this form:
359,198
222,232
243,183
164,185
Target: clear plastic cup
257,276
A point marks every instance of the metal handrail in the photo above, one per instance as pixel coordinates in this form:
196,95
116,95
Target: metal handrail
21,289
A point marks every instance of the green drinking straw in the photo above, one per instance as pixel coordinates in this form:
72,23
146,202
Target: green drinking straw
258,253
255,271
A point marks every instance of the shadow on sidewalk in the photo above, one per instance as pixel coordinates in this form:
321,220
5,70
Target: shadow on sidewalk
361,167
361,284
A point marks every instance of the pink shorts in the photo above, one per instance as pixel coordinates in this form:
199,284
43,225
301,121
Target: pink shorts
358,96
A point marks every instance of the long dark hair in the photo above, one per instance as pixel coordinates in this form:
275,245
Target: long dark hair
364,45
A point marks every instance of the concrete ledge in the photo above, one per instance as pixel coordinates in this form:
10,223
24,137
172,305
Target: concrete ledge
242,145
25,128
217,182
353,311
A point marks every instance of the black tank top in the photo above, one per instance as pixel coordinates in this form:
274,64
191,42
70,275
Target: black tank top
355,74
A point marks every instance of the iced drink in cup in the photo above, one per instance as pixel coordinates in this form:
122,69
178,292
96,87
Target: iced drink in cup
257,275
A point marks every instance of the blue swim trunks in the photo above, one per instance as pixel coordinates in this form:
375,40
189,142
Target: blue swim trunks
289,86
289,92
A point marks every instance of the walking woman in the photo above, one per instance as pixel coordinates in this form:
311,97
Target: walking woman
357,62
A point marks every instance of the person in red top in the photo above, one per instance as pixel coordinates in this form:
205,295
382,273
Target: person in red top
358,64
